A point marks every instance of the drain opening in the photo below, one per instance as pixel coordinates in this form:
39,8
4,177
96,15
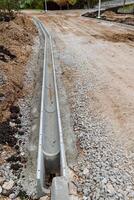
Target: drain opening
52,169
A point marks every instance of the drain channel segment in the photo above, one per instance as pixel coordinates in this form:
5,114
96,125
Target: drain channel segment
51,154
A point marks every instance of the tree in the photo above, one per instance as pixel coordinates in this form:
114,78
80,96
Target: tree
124,2
91,3
6,9
9,5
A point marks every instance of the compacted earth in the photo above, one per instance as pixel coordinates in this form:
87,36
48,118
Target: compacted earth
95,66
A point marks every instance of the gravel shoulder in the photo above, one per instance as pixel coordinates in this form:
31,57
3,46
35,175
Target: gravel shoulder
96,62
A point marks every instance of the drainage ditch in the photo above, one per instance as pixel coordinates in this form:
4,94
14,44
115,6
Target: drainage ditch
51,165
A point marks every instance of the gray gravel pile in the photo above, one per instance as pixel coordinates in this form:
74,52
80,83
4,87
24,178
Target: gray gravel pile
31,82
102,168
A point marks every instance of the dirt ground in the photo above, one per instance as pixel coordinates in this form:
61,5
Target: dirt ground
96,60
16,45
16,39
121,18
109,50
111,15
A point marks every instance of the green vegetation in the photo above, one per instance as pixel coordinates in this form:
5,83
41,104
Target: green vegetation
35,4
9,5
126,9
6,9
39,4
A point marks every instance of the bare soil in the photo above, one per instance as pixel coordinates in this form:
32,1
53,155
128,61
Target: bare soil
121,18
16,39
106,50
96,60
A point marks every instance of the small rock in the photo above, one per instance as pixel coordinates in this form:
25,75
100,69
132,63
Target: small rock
86,192
12,124
18,198
131,194
72,189
0,189
2,179
44,198
79,189
104,181
8,185
110,188
12,196
85,171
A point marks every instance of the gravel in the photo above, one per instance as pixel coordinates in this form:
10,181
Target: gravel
102,166
8,185
103,169
31,83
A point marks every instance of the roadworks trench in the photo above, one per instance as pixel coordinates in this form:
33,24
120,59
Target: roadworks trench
96,174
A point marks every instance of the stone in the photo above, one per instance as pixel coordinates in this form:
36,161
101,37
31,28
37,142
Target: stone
131,194
44,198
12,124
79,189
0,189
86,192
97,193
12,196
8,185
110,188
104,181
72,188
85,171
2,179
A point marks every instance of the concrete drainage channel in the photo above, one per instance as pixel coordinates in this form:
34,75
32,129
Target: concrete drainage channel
51,163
